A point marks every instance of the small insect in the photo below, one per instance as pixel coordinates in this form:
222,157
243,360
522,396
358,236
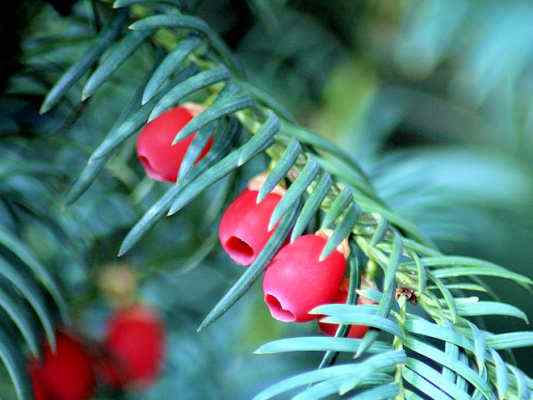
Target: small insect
409,294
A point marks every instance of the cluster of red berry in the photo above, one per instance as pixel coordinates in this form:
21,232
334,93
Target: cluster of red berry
130,357
296,281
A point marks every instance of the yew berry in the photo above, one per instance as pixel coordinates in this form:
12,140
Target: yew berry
243,230
135,340
37,387
66,374
355,331
296,281
161,160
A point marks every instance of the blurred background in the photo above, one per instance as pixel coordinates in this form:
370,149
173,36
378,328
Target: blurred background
434,97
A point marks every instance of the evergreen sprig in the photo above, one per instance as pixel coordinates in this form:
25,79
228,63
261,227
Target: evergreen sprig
25,283
428,349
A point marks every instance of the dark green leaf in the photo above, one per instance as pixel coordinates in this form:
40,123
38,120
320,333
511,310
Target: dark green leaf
312,205
77,70
337,207
20,316
318,375
382,392
389,287
23,253
169,65
113,61
460,382
15,364
479,346
423,385
310,343
210,114
420,248
369,205
193,23
490,308
304,379
452,351
477,395
86,178
377,363
441,358
521,382
379,233
31,292
461,287
437,379
268,100
283,165
501,374
195,148
461,266
422,273
423,327
312,138
325,389
447,295
510,340
356,315
341,232
332,386
183,89
295,191
342,330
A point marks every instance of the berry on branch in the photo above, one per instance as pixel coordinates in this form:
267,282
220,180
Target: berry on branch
135,340
296,281
159,157
66,374
243,230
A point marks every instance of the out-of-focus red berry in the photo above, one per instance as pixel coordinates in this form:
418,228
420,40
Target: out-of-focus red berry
136,341
295,281
243,230
66,374
355,331
161,160
38,389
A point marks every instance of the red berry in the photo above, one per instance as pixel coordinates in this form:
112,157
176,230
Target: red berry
295,281
136,340
243,230
66,374
356,331
38,388
161,160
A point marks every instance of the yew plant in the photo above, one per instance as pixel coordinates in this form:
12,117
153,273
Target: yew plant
314,205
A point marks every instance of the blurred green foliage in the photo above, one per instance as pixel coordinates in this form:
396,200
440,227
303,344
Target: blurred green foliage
433,97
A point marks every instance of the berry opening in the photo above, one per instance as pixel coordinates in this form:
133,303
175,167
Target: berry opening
277,310
239,250
150,171
146,165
